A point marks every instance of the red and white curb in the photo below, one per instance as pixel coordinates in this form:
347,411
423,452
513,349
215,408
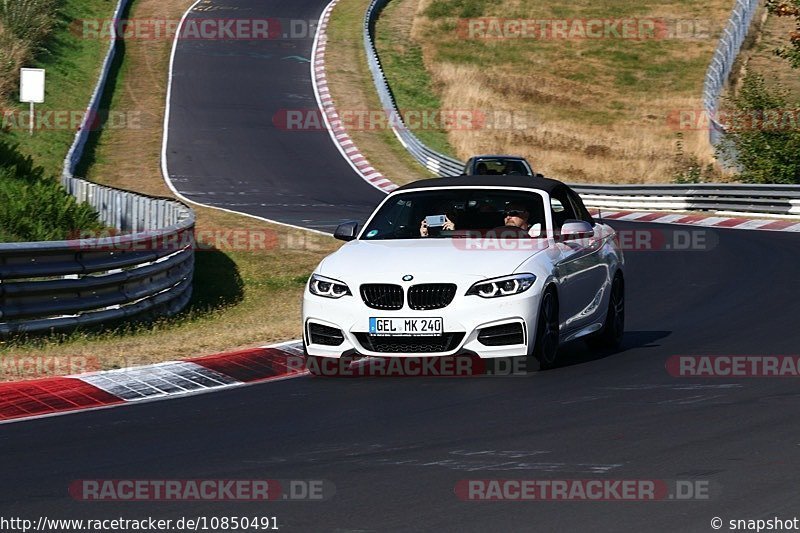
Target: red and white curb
708,221
333,122
57,395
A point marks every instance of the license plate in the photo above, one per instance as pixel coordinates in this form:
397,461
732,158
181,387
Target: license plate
406,326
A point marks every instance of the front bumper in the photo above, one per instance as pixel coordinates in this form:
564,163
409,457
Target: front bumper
467,318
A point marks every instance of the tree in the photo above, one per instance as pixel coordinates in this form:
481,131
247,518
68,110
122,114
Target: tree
788,8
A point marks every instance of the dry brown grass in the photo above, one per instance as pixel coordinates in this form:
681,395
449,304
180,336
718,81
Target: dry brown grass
760,58
243,298
13,53
593,111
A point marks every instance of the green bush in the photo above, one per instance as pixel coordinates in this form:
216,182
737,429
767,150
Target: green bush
764,134
34,206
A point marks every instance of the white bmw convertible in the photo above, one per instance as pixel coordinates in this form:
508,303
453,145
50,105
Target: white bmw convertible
477,265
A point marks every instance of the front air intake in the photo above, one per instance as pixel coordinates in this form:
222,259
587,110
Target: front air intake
504,335
407,344
324,335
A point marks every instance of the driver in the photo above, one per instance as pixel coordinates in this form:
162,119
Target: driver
517,215
511,168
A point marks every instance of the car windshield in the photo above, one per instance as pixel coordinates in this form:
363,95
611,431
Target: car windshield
458,213
500,166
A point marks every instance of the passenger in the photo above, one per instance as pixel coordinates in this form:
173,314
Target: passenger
449,225
481,169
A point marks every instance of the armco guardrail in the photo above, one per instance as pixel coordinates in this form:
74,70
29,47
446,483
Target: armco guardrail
769,199
146,270
82,135
48,286
437,163
730,44
763,199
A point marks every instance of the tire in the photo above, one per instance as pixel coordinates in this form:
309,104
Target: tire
610,336
545,347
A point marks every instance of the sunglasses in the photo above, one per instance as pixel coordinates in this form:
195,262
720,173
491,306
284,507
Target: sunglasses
514,213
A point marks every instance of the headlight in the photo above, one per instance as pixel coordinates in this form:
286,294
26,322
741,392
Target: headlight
327,287
505,286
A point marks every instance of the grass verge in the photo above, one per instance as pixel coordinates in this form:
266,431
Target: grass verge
413,89
38,33
584,110
72,63
35,206
242,297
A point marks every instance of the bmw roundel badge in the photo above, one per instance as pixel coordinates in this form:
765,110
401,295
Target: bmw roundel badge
408,277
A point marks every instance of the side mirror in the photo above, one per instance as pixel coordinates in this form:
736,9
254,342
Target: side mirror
538,176
346,231
576,229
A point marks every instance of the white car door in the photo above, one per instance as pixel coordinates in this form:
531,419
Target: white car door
581,272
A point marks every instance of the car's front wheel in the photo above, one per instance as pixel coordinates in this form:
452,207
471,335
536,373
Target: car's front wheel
545,348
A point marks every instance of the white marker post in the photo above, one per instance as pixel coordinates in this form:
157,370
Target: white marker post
31,88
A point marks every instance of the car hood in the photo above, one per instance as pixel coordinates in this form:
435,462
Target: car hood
428,257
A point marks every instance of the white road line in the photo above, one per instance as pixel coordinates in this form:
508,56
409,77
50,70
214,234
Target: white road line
165,142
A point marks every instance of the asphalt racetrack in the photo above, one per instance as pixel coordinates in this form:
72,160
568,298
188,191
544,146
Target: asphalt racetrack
395,449
231,143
